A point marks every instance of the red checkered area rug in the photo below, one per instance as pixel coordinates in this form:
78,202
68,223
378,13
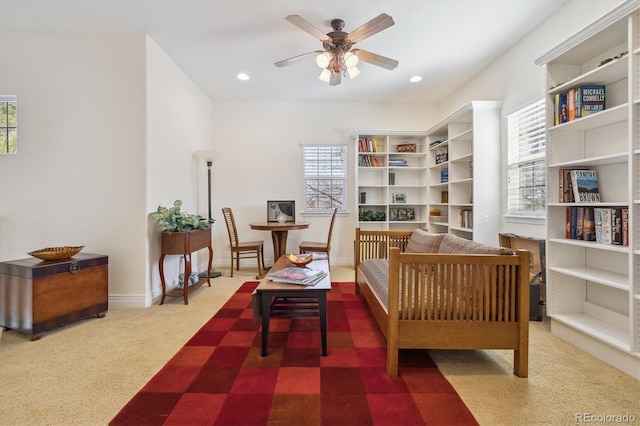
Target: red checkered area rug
220,378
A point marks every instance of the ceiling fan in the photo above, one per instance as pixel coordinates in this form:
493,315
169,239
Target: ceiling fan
338,58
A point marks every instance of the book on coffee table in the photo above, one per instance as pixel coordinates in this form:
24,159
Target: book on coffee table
297,275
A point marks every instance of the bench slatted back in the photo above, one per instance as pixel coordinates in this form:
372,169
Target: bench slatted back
450,287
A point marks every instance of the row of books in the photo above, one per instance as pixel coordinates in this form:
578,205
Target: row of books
465,218
578,186
369,161
367,145
298,275
578,102
604,225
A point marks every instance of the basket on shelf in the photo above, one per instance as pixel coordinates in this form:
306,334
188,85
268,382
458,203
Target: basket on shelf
406,147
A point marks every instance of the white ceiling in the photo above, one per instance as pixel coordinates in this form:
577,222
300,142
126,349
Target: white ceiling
444,41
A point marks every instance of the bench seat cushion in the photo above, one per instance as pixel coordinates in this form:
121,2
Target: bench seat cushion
376,271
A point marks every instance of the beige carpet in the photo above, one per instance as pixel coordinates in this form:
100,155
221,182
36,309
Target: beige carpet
84,373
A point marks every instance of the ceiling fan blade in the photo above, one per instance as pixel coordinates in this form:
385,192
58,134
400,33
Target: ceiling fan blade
372,58
374,26
305,25
336,78
293,59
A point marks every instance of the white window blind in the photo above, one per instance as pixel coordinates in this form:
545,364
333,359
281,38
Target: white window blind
526,191
325,177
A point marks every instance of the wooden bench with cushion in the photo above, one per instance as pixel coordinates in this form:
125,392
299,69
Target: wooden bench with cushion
448,293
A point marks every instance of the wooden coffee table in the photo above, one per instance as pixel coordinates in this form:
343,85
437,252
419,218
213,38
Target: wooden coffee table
293,300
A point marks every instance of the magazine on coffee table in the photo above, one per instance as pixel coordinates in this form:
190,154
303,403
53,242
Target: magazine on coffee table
297,275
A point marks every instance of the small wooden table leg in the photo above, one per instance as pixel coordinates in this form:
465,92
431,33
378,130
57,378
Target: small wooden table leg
322,307
265,310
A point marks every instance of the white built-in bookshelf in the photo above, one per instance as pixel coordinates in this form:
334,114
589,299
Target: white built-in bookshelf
593,286
465,147
391,179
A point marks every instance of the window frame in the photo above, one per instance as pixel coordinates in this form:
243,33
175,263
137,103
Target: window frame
533,156
335,174
5,128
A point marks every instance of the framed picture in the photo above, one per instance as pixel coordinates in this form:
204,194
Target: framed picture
393,213
399,198
281,211
402,214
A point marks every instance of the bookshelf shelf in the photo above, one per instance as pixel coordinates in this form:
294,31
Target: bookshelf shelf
471,138
593,288
607,278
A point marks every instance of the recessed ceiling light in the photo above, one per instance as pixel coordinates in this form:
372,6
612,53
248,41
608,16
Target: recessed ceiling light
415,79
243,76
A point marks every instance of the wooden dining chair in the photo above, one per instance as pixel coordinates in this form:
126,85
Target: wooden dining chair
242,250
320,247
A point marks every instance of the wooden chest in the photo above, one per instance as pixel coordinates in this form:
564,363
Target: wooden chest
38,296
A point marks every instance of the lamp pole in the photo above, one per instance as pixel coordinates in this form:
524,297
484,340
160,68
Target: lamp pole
213,274
209,163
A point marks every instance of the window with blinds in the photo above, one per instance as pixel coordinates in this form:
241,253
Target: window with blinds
8,124
325,177
526,190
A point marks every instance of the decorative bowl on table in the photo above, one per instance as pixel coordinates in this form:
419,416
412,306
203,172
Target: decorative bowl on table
300,259
56,253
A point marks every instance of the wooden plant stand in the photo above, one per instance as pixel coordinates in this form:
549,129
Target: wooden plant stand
184,243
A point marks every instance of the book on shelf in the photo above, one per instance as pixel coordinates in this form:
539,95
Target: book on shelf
398,162
435,142
597,221
625,227
444,175
616,226
585,186
579,223
560,108
297,275
571,104
590,99
606,225
588,225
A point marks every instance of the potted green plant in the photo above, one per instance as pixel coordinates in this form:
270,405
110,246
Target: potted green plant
171,219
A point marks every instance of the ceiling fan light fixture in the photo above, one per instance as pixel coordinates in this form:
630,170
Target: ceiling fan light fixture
338,59
353,72
351,60
323,59
325,75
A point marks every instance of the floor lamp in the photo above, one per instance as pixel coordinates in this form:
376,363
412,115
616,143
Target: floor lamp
209,157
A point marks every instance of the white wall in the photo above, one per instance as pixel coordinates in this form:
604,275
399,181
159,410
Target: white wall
108,125
261,160
78,177
516,80
179,123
